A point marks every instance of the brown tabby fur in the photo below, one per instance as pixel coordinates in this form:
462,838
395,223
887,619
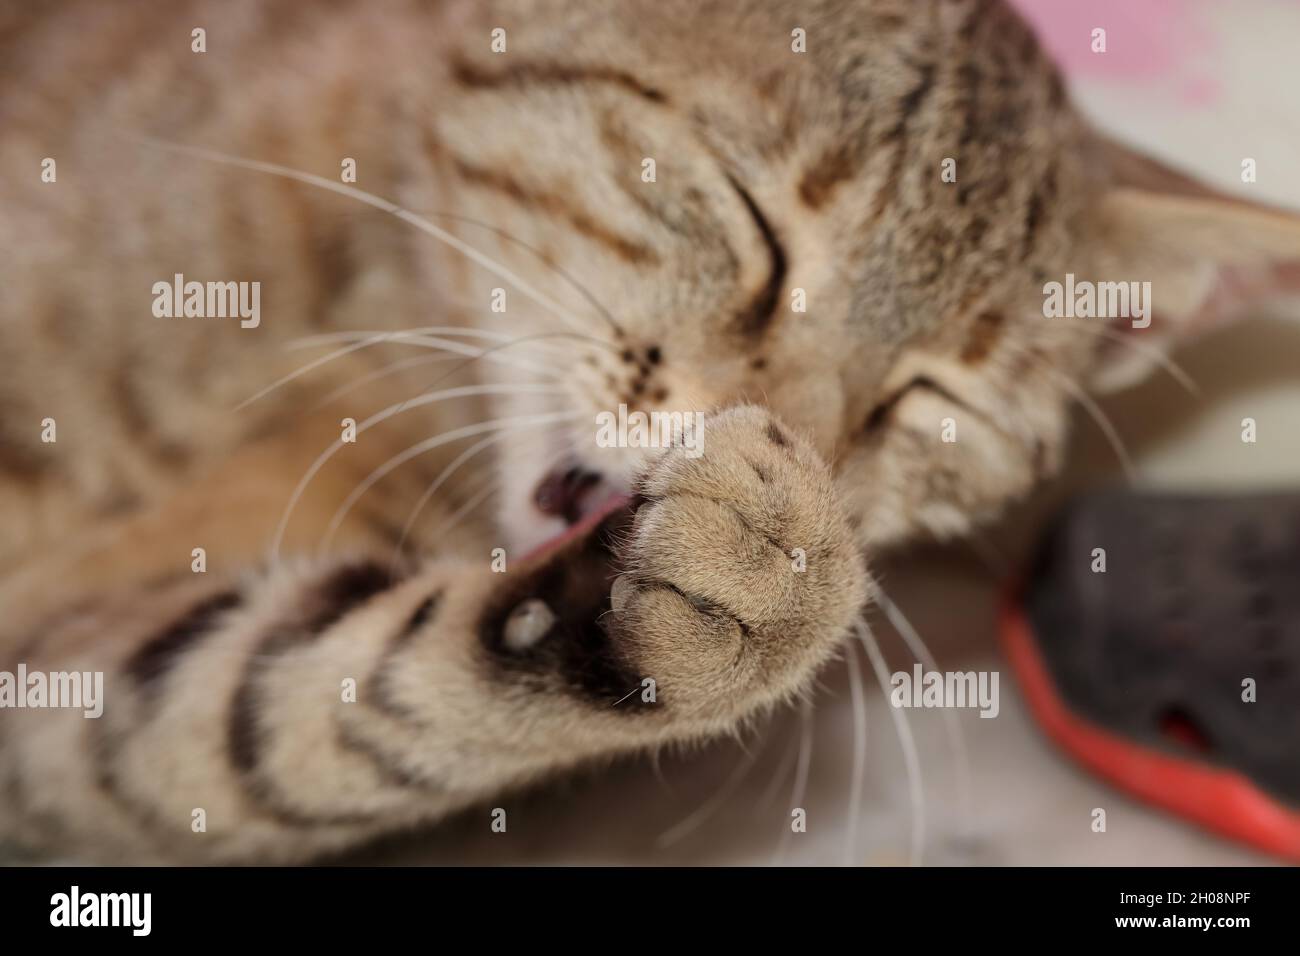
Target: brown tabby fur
776,171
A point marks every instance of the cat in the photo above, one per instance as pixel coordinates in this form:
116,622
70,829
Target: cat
363,563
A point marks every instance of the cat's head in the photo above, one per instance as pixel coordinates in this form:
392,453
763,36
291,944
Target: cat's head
852,212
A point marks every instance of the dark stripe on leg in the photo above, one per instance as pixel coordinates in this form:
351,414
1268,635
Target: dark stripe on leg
104,744
387,766
244,734
343,591
379,693
156,657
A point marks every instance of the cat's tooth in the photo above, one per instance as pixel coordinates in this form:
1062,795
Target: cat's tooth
619,592
528,623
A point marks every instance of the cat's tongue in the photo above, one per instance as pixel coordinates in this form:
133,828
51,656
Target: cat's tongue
589,521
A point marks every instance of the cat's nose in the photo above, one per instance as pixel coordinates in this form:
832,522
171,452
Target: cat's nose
561,492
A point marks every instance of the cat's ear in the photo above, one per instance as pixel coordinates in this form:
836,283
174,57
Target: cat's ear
1209,258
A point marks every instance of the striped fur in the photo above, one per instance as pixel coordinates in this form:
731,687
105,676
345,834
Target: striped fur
778,174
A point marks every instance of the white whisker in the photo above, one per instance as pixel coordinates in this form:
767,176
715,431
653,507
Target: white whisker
377,202
472,502
391,410
419,448
446,473
391,368
352,335
429,334
1104,423
956,739
303,370
783,768
437,483
538,254
801,771
1156,355
1100,417
859,755
404,338
691,822
915,785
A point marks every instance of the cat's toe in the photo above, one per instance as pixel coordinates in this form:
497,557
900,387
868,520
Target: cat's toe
740,569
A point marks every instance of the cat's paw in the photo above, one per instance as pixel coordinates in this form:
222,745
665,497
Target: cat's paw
740,571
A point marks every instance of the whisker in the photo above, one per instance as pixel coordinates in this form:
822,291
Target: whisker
956,739
418,337
859,754
783,768
377,202
446,473
390,411
469,505
429,331
656,767
915,785
1095,412
523,340
351,335
433,487
299,372
548,372
701,813
389,369
1157,355
542,258
429,444
801,771
399,337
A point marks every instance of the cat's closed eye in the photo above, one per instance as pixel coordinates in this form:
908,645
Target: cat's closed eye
881,412
762,308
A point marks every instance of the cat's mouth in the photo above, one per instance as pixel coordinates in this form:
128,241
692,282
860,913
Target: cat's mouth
580,497
566,492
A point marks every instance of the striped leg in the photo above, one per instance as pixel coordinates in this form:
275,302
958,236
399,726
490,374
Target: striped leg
304,708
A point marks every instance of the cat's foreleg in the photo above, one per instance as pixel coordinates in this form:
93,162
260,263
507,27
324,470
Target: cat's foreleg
285,713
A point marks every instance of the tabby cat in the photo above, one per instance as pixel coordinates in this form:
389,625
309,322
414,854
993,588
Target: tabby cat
363,563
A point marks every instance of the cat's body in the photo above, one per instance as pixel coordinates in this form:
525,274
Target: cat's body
776,174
